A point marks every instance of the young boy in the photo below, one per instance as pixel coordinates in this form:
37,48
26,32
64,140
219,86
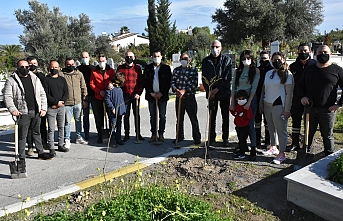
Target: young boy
242,121
114,101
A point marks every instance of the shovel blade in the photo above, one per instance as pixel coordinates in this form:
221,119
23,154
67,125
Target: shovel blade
18,169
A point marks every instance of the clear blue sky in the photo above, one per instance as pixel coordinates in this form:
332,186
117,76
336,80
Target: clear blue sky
110,15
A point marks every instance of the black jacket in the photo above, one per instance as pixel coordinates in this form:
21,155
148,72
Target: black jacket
164,77
297,68
223,71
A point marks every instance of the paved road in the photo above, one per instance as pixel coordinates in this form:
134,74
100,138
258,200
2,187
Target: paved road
80,163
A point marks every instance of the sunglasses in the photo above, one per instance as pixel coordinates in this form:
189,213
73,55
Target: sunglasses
215,46
101,56
129,56
27,67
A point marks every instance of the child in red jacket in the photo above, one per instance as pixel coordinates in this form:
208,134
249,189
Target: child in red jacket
242,121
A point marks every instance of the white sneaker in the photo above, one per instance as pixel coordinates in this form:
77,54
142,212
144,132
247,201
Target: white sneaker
81,141
273,150
67,143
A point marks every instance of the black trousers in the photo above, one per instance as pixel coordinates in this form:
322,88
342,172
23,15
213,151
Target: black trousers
98,111
189,105
297,111
29,121
242,134
224,107
43,133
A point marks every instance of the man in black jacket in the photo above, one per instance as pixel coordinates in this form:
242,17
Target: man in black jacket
264,68
217,75
86,70
33,64
297,68
319,84
157,76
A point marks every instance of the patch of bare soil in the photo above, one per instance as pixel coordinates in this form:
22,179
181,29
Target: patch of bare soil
261,182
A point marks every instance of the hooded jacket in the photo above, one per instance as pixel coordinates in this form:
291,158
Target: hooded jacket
99,82
77,88
14,94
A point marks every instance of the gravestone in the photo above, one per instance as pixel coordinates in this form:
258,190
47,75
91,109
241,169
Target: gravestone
274,47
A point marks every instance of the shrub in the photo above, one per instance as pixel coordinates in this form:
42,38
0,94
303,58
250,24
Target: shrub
335,169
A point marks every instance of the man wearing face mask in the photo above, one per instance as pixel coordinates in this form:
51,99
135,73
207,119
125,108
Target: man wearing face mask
77,91
132,90
184,81
86,70
100,79
25,99
297,68
319,84
219,67
33,63
56,89
264,68
157,84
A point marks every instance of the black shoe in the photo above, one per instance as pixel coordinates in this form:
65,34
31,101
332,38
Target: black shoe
292,148
178,140
52,153
86,136
140,137
44,156
197,142
252,158
120,142
99,140
226,143
126,138
62,149
239,156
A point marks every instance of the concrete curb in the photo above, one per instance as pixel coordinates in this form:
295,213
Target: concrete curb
89,182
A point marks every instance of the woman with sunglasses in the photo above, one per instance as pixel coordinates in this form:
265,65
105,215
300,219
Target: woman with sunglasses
246,78
276,102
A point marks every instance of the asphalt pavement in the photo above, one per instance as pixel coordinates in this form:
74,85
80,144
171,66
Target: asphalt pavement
77,169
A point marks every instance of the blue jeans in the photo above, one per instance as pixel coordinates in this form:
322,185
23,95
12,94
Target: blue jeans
69,111
252,132
326,121
54,115
130,101
162,109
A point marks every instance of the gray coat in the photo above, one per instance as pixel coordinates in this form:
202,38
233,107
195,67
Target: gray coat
15,100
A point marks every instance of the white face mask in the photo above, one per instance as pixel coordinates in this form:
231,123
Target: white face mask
246,62
215,52
241,102
102,65
184,63
157,60
85,61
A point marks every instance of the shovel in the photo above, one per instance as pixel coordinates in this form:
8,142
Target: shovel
157,141
137,141
305,155
17,167
178,124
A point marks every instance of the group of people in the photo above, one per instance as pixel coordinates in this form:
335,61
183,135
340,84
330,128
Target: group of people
277,91
273,91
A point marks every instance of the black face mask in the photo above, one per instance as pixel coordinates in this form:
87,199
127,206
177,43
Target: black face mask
53,71
264,63
128,60
33,67
277,64
323,58
304,56
23,71
70,68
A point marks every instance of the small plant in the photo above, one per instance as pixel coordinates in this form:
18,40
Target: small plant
335,170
